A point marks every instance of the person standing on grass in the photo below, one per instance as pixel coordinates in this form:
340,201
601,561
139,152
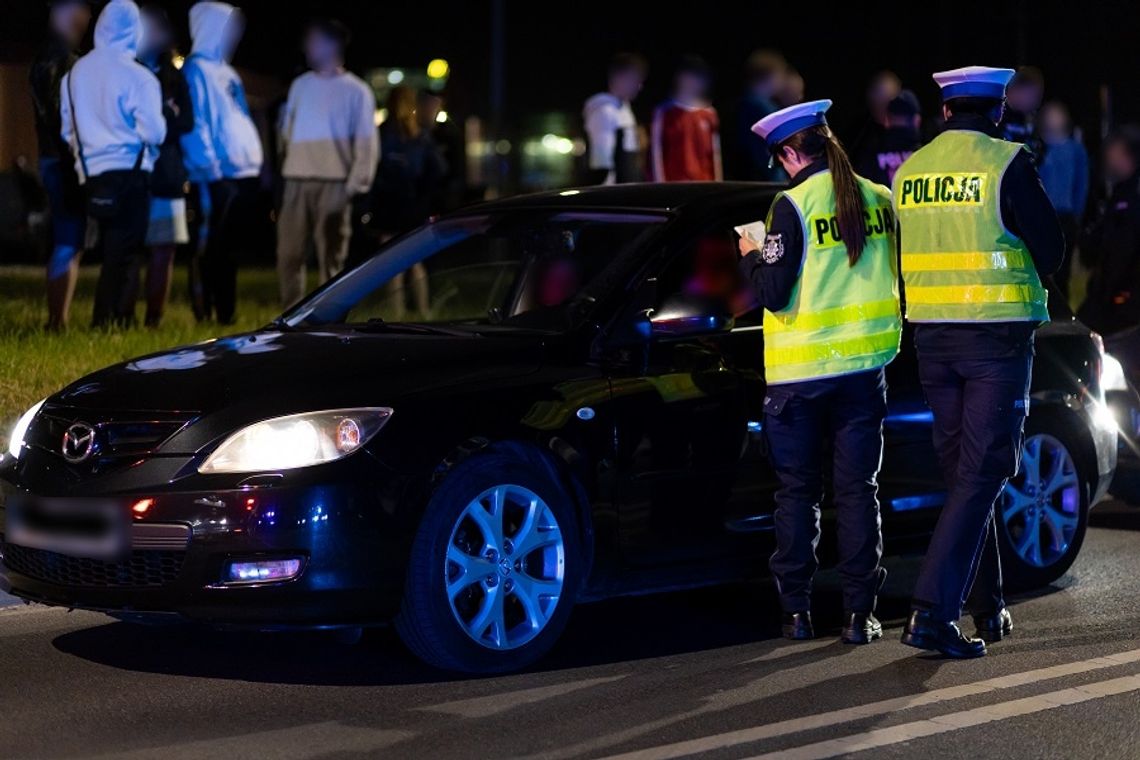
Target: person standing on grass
1064,170
411,169
685,137
222,152
111,116
67,26
168,228
612,133
328,136
887,150
766,75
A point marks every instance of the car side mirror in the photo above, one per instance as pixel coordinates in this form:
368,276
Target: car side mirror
685,317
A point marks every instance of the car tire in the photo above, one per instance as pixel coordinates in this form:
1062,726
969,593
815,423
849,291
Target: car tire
1041,529
473,601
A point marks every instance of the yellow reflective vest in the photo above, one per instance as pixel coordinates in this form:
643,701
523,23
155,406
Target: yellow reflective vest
959,262
840,319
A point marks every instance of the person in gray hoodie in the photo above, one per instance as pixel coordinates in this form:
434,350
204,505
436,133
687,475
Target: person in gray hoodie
223,152
111,117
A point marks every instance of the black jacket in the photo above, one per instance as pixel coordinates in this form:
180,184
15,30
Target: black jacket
169,177
52,61
407,180
1111,248
885,152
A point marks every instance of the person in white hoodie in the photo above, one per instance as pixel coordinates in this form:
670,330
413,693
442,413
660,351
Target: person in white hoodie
222,152
611,127
111,117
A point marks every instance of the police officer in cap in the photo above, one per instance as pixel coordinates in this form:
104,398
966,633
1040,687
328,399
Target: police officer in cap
977,234
827,278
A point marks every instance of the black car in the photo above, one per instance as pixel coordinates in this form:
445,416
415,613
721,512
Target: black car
528,404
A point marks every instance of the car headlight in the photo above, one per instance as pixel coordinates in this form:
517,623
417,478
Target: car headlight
1112,374
16,439
299,440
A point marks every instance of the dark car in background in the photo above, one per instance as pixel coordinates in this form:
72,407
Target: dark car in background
576,416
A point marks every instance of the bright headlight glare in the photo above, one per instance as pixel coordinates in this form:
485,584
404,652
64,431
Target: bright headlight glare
1103,416
1112,374
299,440
16,439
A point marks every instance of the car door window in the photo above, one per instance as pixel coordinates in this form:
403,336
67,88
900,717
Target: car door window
708,268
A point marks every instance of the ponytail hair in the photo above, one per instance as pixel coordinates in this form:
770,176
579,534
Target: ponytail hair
850,208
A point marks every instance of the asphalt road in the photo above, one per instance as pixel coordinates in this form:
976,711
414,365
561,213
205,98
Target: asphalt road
683,675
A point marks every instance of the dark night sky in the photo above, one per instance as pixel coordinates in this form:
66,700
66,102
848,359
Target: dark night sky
556,51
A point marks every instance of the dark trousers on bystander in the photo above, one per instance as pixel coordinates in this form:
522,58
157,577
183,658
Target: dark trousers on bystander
122,240
214,275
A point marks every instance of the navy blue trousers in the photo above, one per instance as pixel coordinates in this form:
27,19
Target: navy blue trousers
979,410
799,419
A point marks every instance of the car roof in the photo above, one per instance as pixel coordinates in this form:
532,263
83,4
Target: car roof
664,196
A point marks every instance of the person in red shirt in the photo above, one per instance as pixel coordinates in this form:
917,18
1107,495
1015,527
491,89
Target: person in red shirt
685,139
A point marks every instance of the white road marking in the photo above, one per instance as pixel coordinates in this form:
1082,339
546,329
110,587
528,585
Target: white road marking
875,709
770,683
295,743
882,737
482,707
790,649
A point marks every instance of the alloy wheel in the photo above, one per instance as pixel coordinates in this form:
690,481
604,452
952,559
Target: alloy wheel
505,567
1040,508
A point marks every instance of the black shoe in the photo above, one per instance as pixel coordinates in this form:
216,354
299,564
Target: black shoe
994,627
924,632
861,628
797,626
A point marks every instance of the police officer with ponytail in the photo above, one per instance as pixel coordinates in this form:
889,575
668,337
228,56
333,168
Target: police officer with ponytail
977,234
827,278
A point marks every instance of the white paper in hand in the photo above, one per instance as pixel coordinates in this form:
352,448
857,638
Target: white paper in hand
754,231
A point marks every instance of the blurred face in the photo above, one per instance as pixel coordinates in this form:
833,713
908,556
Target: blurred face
691,86
428,108
626,84
321,50
883,90
155,36
793,90
1025,98
1119,163
70,21
1054,123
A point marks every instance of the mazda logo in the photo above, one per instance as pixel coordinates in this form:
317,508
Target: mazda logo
78,443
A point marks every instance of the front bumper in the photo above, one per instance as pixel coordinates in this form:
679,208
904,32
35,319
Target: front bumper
350,544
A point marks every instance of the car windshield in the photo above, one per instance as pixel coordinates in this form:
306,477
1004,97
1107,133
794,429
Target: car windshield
524,269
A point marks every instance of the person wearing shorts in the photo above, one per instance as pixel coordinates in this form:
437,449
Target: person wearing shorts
67,25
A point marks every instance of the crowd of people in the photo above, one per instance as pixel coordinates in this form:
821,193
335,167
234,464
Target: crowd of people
683,143
139,156
130,142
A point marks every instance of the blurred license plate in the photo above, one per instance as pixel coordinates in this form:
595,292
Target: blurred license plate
75,527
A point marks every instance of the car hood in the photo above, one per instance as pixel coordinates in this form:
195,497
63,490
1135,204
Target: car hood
283,372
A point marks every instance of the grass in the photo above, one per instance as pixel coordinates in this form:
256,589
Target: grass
34,363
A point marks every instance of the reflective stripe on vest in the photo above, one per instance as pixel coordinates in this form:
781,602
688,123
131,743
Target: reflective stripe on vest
959,262
840,319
